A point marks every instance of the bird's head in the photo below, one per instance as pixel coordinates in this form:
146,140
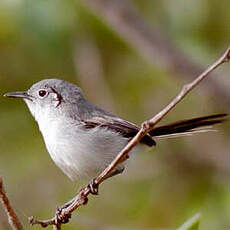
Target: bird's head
48,97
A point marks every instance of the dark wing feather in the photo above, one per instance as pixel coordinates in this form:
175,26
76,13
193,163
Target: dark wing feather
124,128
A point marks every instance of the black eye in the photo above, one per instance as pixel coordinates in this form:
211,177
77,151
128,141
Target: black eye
42,93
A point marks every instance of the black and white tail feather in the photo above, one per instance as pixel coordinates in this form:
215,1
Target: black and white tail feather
188,127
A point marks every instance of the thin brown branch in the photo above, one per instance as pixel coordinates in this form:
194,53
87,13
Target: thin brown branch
12,216
153,44
189,87
63,215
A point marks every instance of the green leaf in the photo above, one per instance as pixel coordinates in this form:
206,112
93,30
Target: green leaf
192,223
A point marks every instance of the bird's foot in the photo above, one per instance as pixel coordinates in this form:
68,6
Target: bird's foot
93,187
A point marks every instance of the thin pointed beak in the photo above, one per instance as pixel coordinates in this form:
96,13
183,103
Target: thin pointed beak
21,94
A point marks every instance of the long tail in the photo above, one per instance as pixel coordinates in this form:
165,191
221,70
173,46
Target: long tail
187,127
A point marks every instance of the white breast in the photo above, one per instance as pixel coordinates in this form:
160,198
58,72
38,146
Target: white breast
80,153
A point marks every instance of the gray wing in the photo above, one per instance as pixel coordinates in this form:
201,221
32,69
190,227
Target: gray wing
91,116
124,128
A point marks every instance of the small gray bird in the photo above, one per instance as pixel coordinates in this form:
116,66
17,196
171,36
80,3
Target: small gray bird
81,138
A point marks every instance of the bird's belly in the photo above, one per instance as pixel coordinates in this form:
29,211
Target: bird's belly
83,154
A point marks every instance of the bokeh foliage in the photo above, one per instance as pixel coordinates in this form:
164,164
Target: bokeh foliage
161,187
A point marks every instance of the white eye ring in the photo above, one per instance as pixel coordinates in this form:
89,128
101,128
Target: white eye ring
42,93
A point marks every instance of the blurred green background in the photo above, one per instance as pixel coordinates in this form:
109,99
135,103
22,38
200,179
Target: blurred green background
161,187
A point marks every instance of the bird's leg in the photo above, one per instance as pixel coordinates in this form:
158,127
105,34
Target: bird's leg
94,187
115,172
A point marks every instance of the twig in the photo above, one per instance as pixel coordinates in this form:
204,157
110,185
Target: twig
153,44
12,217
62,216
